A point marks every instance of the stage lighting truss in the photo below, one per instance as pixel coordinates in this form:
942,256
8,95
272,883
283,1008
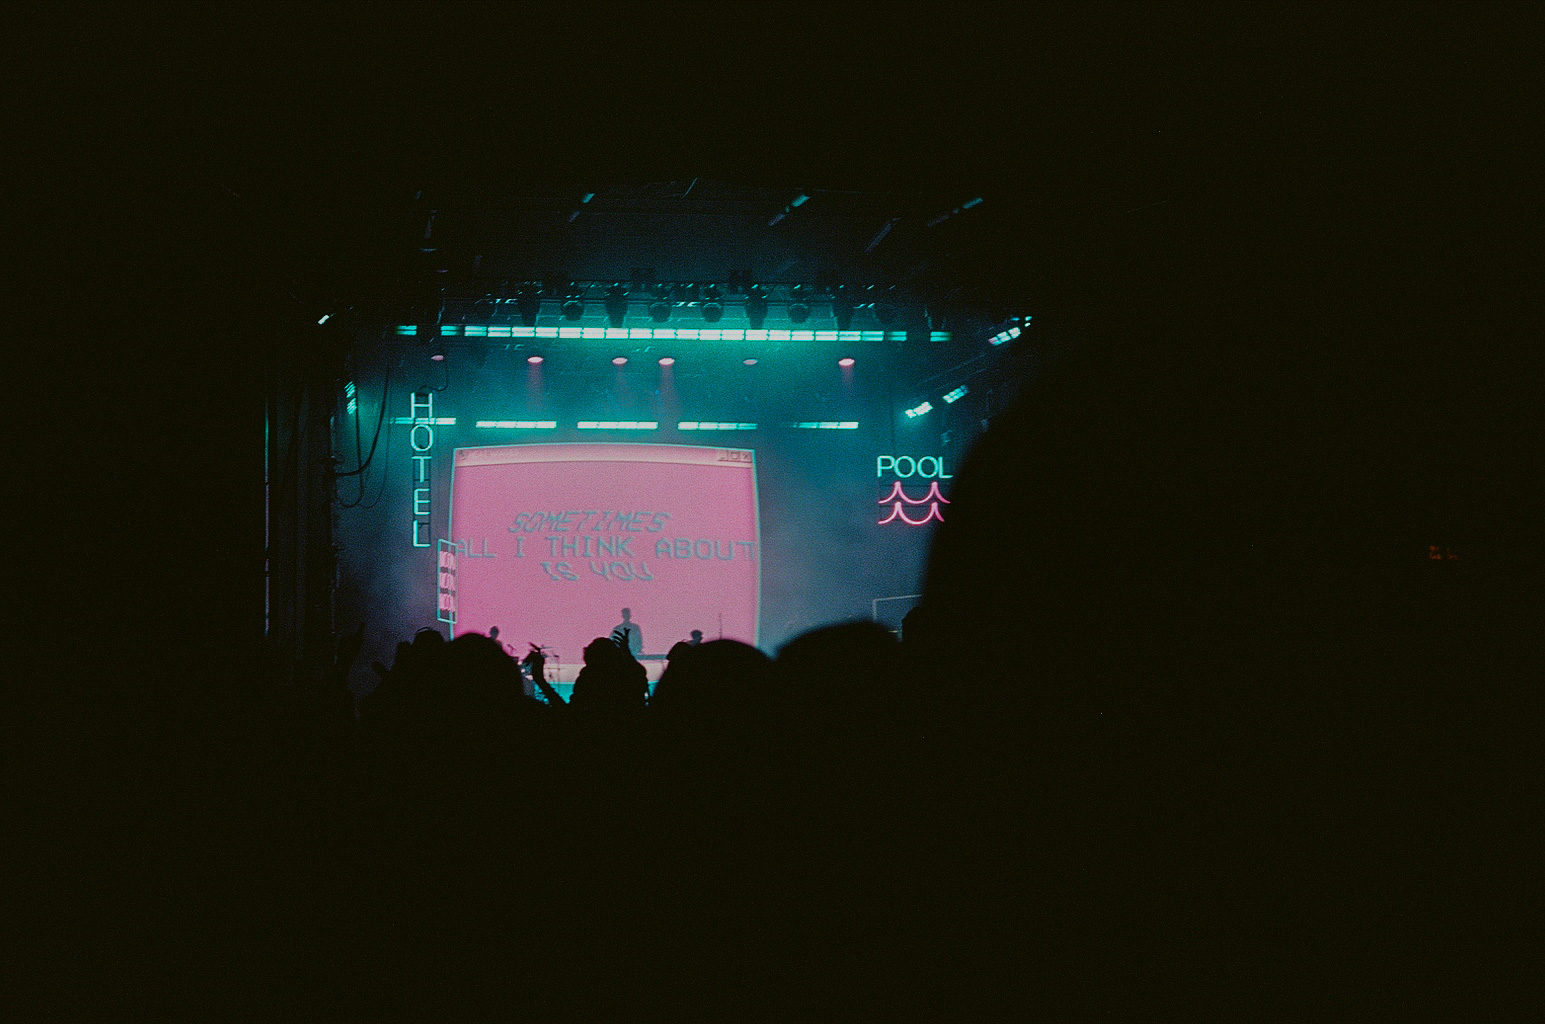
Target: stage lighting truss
662,333
513,308
524,300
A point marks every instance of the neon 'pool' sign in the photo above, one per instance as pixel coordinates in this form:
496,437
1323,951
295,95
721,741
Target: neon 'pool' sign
908,467
928,467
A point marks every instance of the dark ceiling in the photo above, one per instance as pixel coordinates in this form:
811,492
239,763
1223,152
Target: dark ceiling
1346,185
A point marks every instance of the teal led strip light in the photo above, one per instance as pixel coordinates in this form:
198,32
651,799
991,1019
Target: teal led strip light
518,424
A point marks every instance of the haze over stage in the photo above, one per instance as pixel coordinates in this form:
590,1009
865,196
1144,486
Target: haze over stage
670,315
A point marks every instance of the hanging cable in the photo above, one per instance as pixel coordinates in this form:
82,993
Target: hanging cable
386,391
359,459
358,502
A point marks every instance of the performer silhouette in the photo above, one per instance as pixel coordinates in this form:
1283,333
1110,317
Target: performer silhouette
682,646
628,632
493,634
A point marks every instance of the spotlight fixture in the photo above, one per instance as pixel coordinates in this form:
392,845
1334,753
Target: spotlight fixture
799,304
666,361
842,307
845,361
920,410
956,395
941,218
616,304
528,303
883,301
713,304
533,360
756,307
573,304
660,308
620,361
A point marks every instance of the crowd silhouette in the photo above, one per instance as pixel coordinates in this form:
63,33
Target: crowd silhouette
1176,662
1140,714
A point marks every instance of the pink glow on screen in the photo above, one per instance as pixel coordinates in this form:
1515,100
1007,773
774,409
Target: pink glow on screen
668,531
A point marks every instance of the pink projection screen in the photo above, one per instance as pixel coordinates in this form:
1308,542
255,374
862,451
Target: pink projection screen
552,541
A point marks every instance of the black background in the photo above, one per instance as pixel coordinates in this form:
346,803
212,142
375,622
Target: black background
1345,194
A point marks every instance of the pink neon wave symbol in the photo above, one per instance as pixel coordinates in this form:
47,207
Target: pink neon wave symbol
898,494
896,513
